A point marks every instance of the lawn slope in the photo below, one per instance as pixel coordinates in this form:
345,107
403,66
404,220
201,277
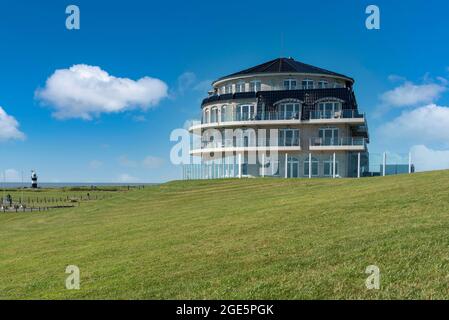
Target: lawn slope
227,239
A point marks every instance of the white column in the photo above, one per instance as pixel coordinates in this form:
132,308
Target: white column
384,163
409,162
240,165
333,166
263,165
358,165
286,164
310,165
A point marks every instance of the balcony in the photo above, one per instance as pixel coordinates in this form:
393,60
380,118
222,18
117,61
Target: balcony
335,144
341,114
251,145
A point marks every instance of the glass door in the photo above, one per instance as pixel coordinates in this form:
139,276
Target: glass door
293,167
329,136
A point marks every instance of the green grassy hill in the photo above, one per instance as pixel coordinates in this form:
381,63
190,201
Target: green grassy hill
249,238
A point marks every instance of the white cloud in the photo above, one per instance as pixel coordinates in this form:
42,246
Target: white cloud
409,94
95,164
124,161
139,118
186,81
126,178
426,159
84,91
151,162
423,125
396,78
11,175
9,127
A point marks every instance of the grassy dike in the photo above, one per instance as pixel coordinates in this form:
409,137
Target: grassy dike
238,239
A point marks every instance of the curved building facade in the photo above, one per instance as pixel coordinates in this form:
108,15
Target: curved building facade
282,118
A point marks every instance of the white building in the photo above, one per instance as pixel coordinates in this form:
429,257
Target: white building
281,118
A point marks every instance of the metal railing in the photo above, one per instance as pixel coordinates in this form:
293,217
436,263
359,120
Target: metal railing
344,141
244,142
341,114
284,115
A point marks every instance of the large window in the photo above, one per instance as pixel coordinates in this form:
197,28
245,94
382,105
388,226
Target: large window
223,113
245,112
288,111
314,167
307,84
214,115
290,84
228,88
206,116
329,168
255,86
240,87
329,136
292,167
329,109
322,84
288,137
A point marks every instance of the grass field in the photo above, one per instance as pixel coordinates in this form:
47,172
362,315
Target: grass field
228,239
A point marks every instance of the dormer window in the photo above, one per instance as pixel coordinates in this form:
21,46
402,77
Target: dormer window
255,86
329,109
307,84
322,84
290,84
240,87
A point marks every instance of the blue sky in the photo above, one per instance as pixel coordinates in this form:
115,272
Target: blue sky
400,72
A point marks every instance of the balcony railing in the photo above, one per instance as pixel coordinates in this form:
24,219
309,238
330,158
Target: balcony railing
285,115
341,114
345,141
244,143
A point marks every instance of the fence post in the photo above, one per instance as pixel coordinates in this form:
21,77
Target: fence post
310,165
240,165
409,163
263,165
384,164
333,166
358,165
286,165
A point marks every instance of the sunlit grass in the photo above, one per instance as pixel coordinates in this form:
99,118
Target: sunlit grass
232,239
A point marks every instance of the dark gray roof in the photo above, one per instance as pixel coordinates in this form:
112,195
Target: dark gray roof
284,65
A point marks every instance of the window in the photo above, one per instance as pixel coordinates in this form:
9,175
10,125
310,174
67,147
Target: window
288,137
290,84
228,88
223,114
245,112
254,86
214,115
223,90
314,167
329,168
329,109
292,167
206,116
288,111
329,136
240,87
307,84
322,84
